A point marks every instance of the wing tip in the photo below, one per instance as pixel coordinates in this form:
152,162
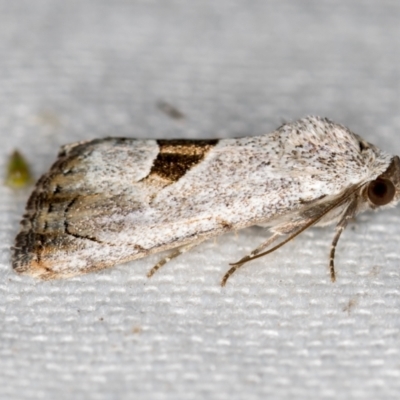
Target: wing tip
25,258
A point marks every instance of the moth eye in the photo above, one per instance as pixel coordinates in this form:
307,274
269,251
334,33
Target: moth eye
381,191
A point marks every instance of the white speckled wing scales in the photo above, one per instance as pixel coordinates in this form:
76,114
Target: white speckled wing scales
113,200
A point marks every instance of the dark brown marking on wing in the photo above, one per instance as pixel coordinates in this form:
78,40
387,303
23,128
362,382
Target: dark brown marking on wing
225,225
177,157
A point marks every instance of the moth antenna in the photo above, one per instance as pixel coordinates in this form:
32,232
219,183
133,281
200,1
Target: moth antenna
244,260
340,201
237,265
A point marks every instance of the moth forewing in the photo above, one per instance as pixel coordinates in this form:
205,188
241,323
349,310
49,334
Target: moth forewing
113,200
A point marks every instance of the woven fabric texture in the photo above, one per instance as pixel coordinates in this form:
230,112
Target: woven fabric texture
80,69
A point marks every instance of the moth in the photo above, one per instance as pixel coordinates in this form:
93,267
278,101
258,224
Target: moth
113,200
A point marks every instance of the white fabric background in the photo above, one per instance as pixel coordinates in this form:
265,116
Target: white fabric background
80,69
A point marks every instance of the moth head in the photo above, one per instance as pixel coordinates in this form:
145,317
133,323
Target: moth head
385,189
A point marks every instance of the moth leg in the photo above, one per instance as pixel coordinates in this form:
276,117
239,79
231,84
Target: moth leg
256,251
348,214
177,252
